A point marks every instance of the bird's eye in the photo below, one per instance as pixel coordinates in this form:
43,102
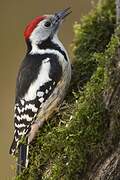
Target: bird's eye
47,24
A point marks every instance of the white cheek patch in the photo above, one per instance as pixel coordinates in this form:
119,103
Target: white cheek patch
39,33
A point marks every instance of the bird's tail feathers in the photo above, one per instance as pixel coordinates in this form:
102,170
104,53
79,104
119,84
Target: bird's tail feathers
23,150
14,146
20,149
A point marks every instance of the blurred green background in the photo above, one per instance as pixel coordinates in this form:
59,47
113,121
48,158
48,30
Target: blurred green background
14,15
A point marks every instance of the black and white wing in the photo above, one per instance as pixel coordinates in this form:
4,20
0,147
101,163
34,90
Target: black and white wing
37,78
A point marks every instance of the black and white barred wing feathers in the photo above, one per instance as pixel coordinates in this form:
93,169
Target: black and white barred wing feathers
32,91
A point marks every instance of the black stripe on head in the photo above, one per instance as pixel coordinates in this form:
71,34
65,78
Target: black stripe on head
29,46
48,44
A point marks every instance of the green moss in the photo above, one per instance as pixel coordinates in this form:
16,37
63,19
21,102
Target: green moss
77,134
92,35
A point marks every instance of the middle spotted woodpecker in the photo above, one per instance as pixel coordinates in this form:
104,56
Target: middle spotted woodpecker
42,81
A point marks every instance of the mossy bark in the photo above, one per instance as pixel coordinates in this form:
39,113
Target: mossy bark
82,140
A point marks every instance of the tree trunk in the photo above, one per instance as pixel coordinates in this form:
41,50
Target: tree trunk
118,12
109,167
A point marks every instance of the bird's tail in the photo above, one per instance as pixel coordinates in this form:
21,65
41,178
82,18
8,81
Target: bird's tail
23,149
22,162
13,147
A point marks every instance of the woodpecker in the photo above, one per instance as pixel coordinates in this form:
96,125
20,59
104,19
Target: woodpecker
42,81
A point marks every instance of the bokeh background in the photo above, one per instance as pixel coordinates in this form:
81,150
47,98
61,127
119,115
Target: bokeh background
14,15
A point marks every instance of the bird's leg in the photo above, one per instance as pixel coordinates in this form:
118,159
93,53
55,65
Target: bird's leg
34,129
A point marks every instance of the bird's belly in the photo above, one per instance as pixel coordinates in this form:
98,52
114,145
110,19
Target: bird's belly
53,102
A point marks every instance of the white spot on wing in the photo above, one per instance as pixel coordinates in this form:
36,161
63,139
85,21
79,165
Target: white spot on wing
40,93
20,125
22,102
41,100
25,116
19,110
46,91
21,133
17,117
23,109
32,107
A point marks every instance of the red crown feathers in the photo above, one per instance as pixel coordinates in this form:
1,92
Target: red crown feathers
31,26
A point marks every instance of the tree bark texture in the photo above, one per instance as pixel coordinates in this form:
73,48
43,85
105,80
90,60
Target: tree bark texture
108,168
118,11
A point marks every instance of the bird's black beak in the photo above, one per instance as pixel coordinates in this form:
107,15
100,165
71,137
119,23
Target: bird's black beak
62,14
59,16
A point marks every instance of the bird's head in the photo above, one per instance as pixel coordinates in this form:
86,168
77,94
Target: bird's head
43,27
